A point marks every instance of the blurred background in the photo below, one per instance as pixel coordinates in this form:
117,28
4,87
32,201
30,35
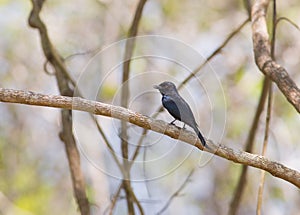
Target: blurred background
34,174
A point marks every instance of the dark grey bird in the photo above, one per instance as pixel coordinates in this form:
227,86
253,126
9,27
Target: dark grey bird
178,107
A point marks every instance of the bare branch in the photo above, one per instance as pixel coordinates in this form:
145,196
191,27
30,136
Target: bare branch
217,51
176,193
98,108
63,79
124,102
268,116
126,69
263,58
289,21
135,200
109,146
247,4
114,199
250,140
267,129
210,57
239,190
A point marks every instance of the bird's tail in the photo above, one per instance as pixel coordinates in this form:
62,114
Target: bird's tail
203,141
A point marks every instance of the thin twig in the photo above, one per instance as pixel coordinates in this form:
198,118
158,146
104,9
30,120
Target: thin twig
274,28
209,58
247,4
268,115
114,199
176,193
217,51
145,172
137,202
112,151
137,150
289,21
126,70
129,47
263,173
239,190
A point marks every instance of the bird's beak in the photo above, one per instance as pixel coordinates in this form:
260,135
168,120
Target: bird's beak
156,87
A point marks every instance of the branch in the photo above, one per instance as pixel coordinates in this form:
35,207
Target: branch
214,53
124,102
99,108
190,76
108,145
63,79
263,58
176,193
265,143
114,199
240,188
268,115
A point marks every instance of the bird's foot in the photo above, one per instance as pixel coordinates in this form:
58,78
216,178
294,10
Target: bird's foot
184,128
172,123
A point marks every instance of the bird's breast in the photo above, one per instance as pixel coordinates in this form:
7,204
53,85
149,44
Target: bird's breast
166,98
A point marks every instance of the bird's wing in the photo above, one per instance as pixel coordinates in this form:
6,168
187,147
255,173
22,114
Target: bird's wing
172,107
187,115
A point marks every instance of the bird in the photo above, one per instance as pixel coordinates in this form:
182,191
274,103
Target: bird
178,107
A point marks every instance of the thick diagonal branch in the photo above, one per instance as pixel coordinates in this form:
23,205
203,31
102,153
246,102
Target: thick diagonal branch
98,108
263,59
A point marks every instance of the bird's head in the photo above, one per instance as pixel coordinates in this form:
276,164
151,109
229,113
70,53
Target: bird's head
166,88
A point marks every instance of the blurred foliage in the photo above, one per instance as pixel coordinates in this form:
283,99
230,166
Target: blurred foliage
107,92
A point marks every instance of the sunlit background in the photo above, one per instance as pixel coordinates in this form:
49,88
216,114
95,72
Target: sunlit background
34,174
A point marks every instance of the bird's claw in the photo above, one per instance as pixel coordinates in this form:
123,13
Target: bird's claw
172,123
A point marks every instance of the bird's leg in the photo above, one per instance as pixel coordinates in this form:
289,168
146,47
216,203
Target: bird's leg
172,123
183,126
